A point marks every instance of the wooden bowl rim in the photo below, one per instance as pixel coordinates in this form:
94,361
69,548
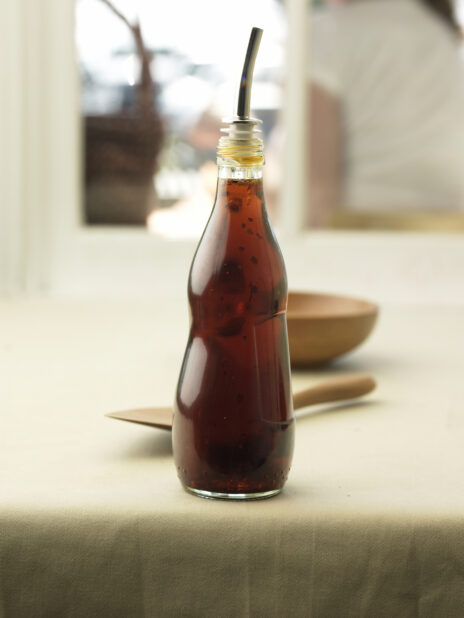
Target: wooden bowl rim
369,309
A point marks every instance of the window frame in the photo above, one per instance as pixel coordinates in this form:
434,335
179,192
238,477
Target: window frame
45,248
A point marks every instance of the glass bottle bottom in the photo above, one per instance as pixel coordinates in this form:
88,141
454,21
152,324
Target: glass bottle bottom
214,495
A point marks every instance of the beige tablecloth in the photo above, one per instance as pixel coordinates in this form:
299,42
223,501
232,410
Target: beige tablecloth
93,521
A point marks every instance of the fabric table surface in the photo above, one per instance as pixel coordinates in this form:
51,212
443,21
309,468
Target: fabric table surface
93,521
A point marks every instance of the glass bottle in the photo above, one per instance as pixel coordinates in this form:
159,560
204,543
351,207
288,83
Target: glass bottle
233,425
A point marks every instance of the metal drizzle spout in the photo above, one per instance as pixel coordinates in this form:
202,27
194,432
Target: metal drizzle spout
244,93
241,143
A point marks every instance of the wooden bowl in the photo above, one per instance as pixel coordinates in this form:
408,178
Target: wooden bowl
322,327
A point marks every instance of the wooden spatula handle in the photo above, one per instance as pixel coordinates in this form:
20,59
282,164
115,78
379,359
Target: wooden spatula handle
331,390
348,387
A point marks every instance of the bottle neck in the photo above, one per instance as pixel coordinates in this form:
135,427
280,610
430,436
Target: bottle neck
239,172
239,197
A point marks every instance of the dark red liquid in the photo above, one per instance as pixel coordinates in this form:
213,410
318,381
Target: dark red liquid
233,427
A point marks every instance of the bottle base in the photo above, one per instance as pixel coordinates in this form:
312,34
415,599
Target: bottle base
214,495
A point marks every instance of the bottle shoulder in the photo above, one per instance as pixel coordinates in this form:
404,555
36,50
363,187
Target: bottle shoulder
238,257
230,256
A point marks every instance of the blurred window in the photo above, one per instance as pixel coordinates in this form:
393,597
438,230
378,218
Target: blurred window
386,120
152,99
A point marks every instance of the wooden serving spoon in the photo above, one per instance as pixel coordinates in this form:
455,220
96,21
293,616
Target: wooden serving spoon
337,389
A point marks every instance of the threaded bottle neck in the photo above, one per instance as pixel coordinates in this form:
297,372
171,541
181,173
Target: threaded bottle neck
240,172
241,146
